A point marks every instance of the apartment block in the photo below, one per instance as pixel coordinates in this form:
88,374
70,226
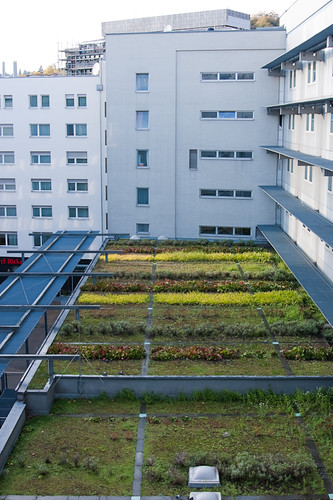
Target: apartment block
186,119
51,158
193,126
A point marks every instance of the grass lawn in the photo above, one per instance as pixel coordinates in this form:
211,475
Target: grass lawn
72,456
191,315
311,367
170,440
246,366
113,312
320,429
96,406
135,268
91,367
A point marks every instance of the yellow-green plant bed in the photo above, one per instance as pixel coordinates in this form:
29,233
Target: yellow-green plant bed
112,298
231,298
179,256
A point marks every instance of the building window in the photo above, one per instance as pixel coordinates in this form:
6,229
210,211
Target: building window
142,196
226,155
33,101
6,130
8,239
310,122
82,101
292,79
7,157
8,101
312,72
290,165
224,231
193,159
39,130
227,115
76,129
142,81
7,211
77,157
329,183
40,238
142,158
42,211
331,126
40,157
242,231
77,185
69,99
227,76
210,230
7,185
212,77
142,120
41,185
45,101
225,193
142,228
78,212
291,122
308,171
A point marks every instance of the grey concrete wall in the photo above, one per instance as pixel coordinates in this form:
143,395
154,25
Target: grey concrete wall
90,386
10,431
39,402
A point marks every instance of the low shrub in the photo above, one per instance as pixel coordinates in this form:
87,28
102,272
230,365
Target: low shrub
116,328
207,286
308,353
115,287
244,468
195,352
100,351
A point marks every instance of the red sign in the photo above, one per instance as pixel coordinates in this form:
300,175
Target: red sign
14,261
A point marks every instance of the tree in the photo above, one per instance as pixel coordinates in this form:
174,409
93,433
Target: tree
51,70
264,19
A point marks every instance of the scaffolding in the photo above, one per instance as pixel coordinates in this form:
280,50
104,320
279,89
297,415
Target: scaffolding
80,59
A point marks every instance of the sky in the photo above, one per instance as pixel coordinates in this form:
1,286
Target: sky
32,32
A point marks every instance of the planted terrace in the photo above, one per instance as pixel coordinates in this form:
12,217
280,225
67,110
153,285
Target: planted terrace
203,308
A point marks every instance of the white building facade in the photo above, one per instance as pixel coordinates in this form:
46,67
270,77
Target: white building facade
304,151
51,158
186,119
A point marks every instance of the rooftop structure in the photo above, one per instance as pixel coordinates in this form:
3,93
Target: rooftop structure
215,19
81,59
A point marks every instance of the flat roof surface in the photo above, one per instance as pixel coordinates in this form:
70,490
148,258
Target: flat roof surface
37,290
317,161
307,274
318,224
